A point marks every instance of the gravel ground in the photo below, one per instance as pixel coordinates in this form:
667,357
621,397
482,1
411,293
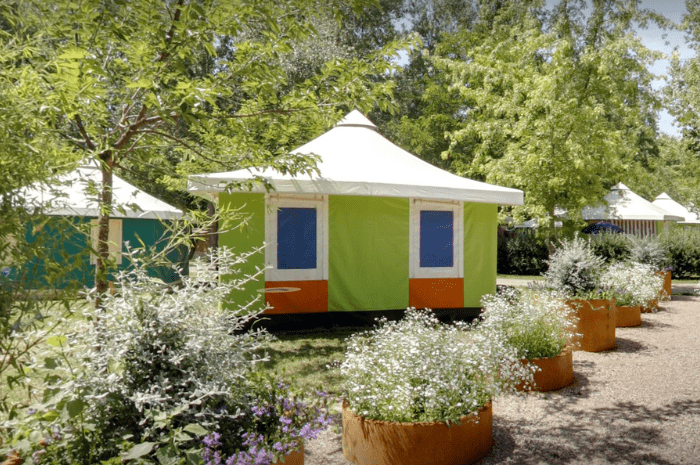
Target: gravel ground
636,404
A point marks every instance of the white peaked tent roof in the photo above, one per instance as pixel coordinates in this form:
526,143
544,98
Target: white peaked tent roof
356,160
623,204
69,196
667,203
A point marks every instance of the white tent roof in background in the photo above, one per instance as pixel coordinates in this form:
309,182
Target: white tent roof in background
70,196
623,204
357,160
667,203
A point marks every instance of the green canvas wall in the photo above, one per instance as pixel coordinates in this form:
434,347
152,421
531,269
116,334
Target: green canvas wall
244,238
480,243
369,250
368,253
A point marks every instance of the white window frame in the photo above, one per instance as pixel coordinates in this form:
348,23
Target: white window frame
272,204
457,268
115,240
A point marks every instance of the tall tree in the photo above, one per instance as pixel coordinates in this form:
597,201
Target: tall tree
682,98
558,109
199,81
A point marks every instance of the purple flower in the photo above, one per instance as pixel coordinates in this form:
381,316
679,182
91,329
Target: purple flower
305,431
258,411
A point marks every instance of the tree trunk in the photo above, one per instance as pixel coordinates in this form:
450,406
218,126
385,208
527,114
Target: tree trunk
105,211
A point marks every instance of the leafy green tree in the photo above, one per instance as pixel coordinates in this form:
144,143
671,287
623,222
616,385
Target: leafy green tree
427,109
674,171
682,98
558,109
202,83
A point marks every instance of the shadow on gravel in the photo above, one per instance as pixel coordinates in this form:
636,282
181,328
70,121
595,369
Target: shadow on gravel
626,433
628,346
655,325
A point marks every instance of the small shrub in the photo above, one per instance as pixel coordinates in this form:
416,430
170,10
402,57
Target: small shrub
417,369
611,247
156,370
574,269
536,323
633,284
522,254
649,251
682,246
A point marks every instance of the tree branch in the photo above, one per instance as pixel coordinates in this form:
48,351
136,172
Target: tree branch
84,133
181,142
169,35
140,122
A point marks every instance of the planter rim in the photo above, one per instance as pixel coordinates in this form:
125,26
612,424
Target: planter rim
474,414
571,301
567,348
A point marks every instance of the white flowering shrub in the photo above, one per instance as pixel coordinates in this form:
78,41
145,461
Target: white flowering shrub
163,374
633,284
417,369
168,347
537,323
574,269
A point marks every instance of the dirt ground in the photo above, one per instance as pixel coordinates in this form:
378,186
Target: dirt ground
636,404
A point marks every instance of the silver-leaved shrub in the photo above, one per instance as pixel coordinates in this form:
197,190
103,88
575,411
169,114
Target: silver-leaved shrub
574,269
418,369
163,374
538,323
633,284
650,251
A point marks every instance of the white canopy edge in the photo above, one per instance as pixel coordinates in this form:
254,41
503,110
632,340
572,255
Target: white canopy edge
216,182
68,197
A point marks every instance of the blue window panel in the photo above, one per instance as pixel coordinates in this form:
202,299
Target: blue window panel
296,238
436,239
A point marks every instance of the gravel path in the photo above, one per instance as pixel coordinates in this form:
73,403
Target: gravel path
636,404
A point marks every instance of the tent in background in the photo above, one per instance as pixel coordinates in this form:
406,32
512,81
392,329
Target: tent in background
71,201
377,229
667,203
630,212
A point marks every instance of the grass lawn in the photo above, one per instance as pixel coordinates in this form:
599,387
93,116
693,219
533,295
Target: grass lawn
522,277
310,361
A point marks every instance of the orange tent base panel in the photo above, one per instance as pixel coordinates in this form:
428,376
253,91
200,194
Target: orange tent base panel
312,296
296,297
436,293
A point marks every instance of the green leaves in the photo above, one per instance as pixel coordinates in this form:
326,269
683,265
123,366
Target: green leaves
196,429
560,114
56,341
139,450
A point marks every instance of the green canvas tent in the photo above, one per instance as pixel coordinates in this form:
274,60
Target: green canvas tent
376,229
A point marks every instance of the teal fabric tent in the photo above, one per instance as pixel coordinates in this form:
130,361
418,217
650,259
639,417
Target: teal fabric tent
67,228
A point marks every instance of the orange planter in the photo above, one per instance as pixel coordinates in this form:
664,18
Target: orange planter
651,306
293,458
555,372
628,316
667,290
375,442
596,324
